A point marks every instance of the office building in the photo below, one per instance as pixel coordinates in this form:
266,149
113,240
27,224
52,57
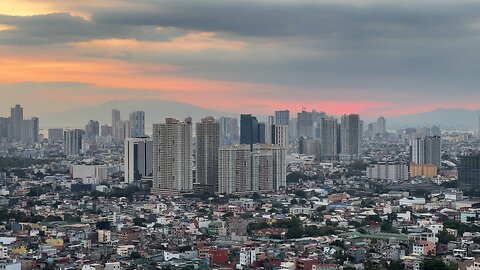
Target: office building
249,131
138,159
469,172
137,124
72,142
229,132
282,118
172,157
350,137
329,139
262,132
208,143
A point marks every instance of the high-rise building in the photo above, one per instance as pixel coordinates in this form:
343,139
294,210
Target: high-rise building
115,121
138,158
106,131
269,130
92,130
243,170
280,135
282,118
208,143
262,132
305,124
381,125
248,129
426,150
234,169
72,142
16,118
137,124
269,159
55,134
329,139
350,137
433,150
229,132
4,128
293,128
172,157
30,132
469,172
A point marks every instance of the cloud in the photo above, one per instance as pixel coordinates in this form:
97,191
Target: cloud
58,28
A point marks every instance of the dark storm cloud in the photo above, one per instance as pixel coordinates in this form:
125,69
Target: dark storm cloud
65,28
314,20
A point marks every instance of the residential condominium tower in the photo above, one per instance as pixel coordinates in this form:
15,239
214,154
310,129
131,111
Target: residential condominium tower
208,143
172,157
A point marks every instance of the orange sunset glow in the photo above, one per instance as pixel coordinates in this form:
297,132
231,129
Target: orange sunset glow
232,56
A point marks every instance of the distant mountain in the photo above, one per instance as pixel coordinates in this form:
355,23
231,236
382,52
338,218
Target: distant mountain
445,118
155,112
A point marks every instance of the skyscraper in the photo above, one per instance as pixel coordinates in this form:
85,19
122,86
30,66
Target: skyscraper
234,169
72,142
329,139
229,132
55,134
469,172
280,135
115,119
137,124
282,118
305,124
30,132
248,129
426,150
138,158
172,157
16,118
381,125
350,135
4,128
262,132
269,160
92,130
243,170
208,143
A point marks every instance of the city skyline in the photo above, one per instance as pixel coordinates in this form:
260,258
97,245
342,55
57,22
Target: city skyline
363,57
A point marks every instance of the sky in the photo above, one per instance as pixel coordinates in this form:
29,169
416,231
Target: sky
372,57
